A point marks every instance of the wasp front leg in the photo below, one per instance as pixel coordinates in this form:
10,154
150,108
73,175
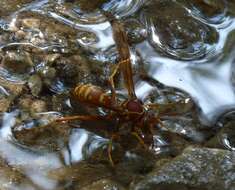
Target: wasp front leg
84,118
111,82
137,135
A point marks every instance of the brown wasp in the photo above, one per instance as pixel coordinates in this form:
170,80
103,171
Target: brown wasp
132,109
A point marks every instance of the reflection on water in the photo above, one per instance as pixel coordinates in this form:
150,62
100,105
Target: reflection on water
17,156
182,52
83,143
205,79
213,12
178,34
201,80
36,164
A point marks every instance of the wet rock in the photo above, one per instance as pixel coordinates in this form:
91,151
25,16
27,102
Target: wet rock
35,133
51,58
13,88
225,138
19,35
6,8
169,144
48,75
134,165
176,111
17,62
231,7
29,32
35,84
106,184
13,174
32,105
25,103
79,69
168,101
4,39
212,11
187,127
40,33
87,38
12,177
60,103
31,22
48,72
135,31
35,127
38,106
89,6
196,168
69,69
4,104
178,34
81,174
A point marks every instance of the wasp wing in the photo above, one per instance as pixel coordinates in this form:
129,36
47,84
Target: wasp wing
120,38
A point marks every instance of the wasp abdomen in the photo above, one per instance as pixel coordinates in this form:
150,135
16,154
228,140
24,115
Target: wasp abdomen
91,94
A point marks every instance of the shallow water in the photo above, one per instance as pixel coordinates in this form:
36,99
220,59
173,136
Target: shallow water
182,53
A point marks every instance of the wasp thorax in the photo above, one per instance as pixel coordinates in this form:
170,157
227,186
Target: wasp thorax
134,106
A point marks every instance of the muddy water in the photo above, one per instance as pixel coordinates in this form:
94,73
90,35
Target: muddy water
182,55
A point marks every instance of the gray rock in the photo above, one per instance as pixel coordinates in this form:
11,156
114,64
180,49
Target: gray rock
106,184
225,138
196,168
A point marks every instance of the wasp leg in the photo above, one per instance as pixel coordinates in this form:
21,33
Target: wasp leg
111,81
169,109
84,118
137,136
154,121
110,146
110,153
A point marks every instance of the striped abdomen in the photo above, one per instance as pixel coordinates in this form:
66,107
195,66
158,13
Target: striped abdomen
94,95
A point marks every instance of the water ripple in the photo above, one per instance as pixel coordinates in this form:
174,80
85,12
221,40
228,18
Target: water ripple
176,33
213,12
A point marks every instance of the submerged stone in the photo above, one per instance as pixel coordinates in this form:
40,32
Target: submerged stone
32,133
81,175
14,89
195,168
17,61
89,6
224,139
35,84
106,184
4,104
135,31
13,177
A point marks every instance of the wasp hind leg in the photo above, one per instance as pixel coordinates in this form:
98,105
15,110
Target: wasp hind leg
110,149
140,139
84,118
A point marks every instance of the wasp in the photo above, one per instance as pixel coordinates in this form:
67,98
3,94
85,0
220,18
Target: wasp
130,110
